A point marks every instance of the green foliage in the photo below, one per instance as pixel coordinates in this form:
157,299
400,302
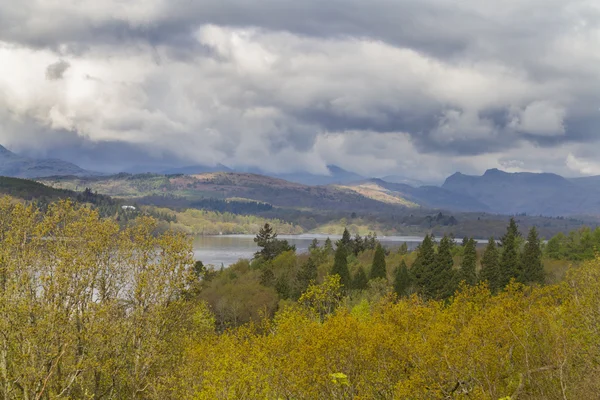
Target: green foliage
532,269
360,280
490,266
510,267
442,283
422,269
402,280
378,268
270,246
306,275
340,267
468,267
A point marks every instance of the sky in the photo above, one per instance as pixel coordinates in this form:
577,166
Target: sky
418,88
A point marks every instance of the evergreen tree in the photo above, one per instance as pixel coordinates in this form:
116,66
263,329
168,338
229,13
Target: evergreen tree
509,261
443,283
328,246
340,266
345,241
314,244
403,249
360,281
422,268
532,269
271,247
469,262
402,280
490,265
358,245
378,269
306,274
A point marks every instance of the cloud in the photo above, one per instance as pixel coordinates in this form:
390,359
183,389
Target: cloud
419,88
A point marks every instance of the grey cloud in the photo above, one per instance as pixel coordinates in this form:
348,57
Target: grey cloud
242,81
56,70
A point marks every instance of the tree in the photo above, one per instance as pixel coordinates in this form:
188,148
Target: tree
490,265
358,245
402,280
442,282
403,249
307,274
328,247
271,246
509,262
378,268
469,262
422,268
360,281
340,266
532,269
314,244
345,241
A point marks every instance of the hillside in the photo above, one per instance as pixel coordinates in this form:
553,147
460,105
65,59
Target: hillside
14,165
531,193
225,185
424,196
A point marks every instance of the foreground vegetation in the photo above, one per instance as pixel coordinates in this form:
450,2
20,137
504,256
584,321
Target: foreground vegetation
89,309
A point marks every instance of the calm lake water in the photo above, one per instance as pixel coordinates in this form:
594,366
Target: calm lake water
227,249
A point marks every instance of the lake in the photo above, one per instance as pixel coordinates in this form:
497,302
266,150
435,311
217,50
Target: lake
227,249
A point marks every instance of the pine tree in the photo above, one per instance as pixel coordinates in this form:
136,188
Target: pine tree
358,245
360,281
403,249
306,274
314,244
509,261
469,262
271,247
328,246
402,280
378,269
490,265
532,269
340,266
422,268
345,241
443,283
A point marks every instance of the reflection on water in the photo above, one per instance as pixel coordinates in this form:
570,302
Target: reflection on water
227,249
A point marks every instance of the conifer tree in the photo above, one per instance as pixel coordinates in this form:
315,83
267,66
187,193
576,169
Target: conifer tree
340,266
443,283
490,265
402,280
360,281
306,274
378,269
532,269
509,261
314,244
345,241
469,262
403,249
328,246
422,268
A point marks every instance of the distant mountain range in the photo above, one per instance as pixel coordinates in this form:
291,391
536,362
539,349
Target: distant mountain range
14,165
530,193
495,191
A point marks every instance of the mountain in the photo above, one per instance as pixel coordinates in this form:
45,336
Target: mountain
184,190
423,196
17,166
336,175
404,180
196,169
531,193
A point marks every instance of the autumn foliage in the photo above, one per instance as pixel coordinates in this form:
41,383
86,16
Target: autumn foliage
91,311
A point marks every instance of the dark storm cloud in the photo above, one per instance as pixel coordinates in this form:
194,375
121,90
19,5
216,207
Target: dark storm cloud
240,81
